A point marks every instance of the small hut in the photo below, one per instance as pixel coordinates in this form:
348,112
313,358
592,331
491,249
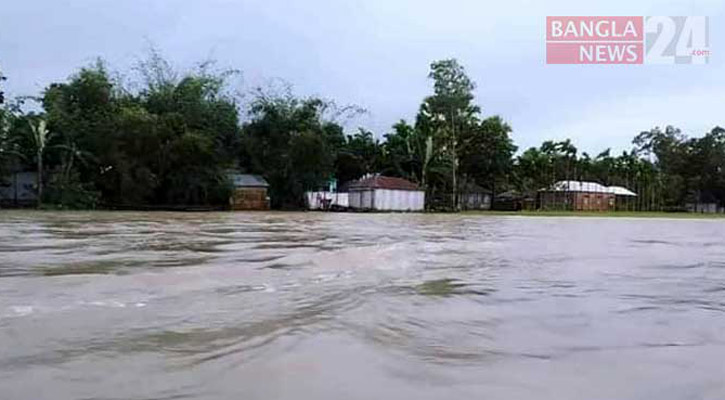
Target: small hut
249,192
511,200
703,202
474,197
19,189
384,193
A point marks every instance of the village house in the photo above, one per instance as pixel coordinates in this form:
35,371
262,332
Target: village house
249,192
19,189
384,193
474,197
582,196
704,202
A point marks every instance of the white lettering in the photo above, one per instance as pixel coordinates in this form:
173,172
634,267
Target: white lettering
571,29
556,29
586,29
601,53
585,51
616,53
632,53
605,32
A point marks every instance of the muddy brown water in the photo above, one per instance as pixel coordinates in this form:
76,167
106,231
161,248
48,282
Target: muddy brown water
345,306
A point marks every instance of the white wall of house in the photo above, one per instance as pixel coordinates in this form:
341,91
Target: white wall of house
361,199
315,199
387,200
353,199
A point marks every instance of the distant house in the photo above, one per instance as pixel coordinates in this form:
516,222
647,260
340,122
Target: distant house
384,193
249,192
582,196
704,203
19,189
474,197
512,200
704,208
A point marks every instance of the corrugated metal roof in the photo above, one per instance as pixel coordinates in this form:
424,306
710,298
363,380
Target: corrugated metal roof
578,186
621,191
590,187
383,182
247,180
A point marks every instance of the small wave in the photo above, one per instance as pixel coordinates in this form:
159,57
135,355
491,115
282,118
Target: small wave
22,310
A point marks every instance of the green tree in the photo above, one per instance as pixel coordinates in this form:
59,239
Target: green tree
449,114
168,143
289,142
360,154
670,151
487,153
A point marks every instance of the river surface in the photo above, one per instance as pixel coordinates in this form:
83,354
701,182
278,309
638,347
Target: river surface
359,306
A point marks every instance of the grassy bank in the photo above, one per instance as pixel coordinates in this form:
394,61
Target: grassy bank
608,214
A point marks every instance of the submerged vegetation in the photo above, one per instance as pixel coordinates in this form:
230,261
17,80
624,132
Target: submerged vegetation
95,141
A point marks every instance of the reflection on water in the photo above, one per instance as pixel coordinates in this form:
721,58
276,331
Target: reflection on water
330,306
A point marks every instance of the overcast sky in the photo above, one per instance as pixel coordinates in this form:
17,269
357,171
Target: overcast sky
376,54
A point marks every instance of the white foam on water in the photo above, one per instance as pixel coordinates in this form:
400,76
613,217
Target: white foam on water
22,310
110,303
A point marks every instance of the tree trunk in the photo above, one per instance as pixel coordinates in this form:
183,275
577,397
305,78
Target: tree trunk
40,179
455,182
454,150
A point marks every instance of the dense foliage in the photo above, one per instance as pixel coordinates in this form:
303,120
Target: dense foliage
95,142
665,168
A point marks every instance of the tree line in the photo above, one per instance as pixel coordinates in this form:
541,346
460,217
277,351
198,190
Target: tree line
171,139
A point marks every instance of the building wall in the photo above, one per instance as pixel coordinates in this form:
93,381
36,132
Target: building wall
315,199
577,201
361,199
594,201
249,199
18,189
387,200
475,201
704,208
353,199
366,199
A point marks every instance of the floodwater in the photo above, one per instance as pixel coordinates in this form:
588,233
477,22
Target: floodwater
359,306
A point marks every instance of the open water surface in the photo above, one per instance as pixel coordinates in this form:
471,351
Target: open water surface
359,306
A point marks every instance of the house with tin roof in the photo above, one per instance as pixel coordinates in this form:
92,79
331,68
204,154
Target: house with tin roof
249,192
583,196
385,193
